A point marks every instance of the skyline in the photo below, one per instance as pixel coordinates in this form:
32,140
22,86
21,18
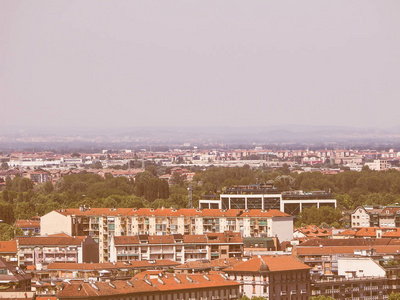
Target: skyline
195,64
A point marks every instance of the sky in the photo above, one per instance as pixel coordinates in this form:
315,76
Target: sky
199,63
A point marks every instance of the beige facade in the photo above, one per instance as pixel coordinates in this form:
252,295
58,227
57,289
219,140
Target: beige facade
102,223
54,222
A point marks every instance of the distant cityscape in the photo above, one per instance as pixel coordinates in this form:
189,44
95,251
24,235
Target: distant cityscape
239,242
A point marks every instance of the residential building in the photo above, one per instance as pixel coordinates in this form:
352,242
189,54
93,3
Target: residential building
367,216
378,165
272,277
40,251
104,223
156,285
322,254
29,227
358,278
177,247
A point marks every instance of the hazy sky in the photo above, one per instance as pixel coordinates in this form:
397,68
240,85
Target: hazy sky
195,63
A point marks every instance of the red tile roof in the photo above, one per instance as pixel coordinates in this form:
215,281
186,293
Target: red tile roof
147,282
51,240
135,264
168,212
264,214
8,246
195,238
213,264
269,263
126,240
27,224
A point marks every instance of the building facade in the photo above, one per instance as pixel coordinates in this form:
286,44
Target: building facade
177,247
102,224
277,277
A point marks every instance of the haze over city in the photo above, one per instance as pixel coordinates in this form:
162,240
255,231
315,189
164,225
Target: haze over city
127,64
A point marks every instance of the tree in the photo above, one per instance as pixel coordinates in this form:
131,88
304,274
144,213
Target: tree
4,165
318,216
394,296
48,187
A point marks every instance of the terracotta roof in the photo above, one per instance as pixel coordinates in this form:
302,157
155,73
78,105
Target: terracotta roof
344,242
348,232
95,211
220,213
390,249
146,282
392,234
213,264
126,240
265,214
51,240
269,263
168,212
27,224
161,239
135,264
8,246
195,238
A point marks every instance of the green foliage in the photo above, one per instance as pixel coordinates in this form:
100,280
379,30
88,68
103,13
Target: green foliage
151,187
394,296
8,232
7,212
19,184
4,166
324,216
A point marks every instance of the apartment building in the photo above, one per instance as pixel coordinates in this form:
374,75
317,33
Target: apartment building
176,247
276,277
102,224
40,251
156,285
29,227
358,278
367,216
322,254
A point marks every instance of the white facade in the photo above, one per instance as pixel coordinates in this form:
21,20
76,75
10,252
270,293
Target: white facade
359,267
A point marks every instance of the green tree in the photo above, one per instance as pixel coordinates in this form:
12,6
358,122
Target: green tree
394,296
4,165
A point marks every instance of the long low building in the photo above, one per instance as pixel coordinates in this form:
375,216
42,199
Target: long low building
177,247
156,285
249,197
104,223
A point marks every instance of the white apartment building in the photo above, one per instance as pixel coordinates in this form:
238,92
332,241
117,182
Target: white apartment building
103,223
176,247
